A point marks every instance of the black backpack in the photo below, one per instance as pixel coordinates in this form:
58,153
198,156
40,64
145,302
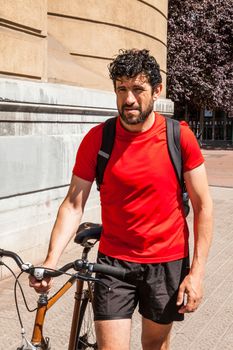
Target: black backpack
173,142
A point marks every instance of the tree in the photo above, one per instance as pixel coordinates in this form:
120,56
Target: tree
200,53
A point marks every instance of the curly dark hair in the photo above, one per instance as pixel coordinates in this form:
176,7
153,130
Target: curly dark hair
129,63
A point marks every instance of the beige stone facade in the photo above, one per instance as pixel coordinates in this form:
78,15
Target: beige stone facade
54,87
23,38
73,41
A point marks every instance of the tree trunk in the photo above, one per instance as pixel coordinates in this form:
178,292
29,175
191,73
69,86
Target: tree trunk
201,115
186,113
213,126
225,127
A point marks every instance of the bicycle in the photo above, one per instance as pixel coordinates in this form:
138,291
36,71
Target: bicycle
82,335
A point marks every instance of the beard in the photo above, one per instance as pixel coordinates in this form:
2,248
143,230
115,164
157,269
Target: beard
136,119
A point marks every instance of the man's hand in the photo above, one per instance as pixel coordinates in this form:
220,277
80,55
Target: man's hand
42,286
45,284
192,288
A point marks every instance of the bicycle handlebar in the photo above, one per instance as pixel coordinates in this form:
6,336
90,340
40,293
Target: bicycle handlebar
118,272
12,255
78,265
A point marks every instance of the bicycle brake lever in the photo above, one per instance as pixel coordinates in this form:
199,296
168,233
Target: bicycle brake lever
26,266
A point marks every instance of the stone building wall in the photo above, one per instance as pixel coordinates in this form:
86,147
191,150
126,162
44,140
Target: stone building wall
54,87
92,35
73,41
23,39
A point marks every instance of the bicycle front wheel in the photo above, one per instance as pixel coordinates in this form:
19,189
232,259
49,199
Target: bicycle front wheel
86,338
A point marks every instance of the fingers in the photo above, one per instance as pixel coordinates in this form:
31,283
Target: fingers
189,297
190,306
42,286
181,295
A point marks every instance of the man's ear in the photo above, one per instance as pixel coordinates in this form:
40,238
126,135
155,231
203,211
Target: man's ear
157,91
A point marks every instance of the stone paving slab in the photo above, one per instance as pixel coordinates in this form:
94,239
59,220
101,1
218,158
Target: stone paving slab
219,164
209,328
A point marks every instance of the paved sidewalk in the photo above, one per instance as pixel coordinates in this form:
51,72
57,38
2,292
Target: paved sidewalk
209,328
219,164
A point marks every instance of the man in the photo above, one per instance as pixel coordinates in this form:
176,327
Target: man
142,214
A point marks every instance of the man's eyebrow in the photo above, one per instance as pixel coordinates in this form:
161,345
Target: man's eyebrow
139,86
121,87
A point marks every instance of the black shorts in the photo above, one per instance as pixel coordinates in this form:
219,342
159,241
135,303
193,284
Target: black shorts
154,291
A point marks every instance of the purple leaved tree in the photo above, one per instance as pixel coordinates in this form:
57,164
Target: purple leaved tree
200,53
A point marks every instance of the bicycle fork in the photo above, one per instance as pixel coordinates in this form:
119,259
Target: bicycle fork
38,341
44,304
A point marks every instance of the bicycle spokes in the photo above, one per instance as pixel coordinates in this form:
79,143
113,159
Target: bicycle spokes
84,343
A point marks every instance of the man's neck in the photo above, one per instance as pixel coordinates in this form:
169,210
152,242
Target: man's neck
141,127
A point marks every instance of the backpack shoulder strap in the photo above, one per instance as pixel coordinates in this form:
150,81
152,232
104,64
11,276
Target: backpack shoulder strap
174,149
108,138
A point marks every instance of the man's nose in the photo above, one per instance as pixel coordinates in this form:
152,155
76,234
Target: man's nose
130,98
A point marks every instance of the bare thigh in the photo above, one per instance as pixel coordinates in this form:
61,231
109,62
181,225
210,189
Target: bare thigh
155,336
113,334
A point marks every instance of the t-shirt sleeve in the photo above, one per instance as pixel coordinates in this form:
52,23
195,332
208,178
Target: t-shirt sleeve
191,153
86,158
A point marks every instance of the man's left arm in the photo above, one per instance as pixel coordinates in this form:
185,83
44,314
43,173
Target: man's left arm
192,285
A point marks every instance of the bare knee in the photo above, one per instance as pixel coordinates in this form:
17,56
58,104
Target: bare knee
155,336
155,344
113,334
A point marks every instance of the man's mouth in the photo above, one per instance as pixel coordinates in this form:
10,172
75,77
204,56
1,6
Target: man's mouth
130,109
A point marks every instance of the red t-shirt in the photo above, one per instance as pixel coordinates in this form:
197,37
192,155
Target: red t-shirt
142,213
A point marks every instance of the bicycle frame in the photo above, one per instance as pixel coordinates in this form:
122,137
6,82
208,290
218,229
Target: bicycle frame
81,334
45,304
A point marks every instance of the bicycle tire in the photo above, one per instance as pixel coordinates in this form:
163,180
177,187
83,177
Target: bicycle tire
86,338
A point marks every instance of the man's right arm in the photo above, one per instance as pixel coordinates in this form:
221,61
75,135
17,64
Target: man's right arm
66,224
